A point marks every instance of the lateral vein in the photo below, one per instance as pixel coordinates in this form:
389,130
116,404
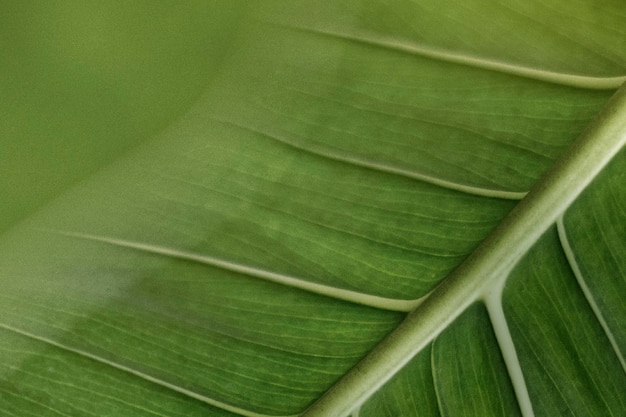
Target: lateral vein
345,157
144,376
493,301
489,264
571,258
326,290
571,80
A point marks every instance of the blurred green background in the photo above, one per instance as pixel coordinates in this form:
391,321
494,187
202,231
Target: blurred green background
82,82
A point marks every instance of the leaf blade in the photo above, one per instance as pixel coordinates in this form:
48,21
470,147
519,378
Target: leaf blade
161,208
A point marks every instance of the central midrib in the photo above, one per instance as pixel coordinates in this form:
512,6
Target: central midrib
489,265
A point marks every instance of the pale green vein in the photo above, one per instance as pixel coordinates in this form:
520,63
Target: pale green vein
424,250
397,213
587,42
348,254
540,357
572,80
337,293
196,356
168,215
338,180
326,150
493,301
22,397
348,158
384,141
413,118
569,253
144,376
435,384
9,413
247,377
489,265
87,391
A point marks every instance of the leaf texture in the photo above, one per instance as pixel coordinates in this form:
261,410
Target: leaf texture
342,163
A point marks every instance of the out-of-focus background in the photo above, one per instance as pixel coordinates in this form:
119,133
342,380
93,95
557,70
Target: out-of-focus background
81,82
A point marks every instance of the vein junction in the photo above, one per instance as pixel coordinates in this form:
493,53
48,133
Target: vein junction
487,269
492,299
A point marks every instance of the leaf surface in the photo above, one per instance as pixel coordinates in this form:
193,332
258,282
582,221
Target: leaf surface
342,164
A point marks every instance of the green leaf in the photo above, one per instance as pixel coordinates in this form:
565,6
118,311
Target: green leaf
333,227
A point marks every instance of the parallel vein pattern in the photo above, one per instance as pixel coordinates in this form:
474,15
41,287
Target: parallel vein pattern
125,369
556,335
417,124
247,259
491,264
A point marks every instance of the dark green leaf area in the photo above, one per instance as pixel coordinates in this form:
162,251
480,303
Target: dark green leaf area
595,228
469,373
203,329
380,107
409,393
40,380
569,365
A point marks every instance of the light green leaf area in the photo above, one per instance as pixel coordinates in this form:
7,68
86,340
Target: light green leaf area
400,112
573,37
83,82
248,254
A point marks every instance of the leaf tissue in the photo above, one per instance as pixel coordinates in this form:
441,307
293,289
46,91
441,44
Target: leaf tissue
292,208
